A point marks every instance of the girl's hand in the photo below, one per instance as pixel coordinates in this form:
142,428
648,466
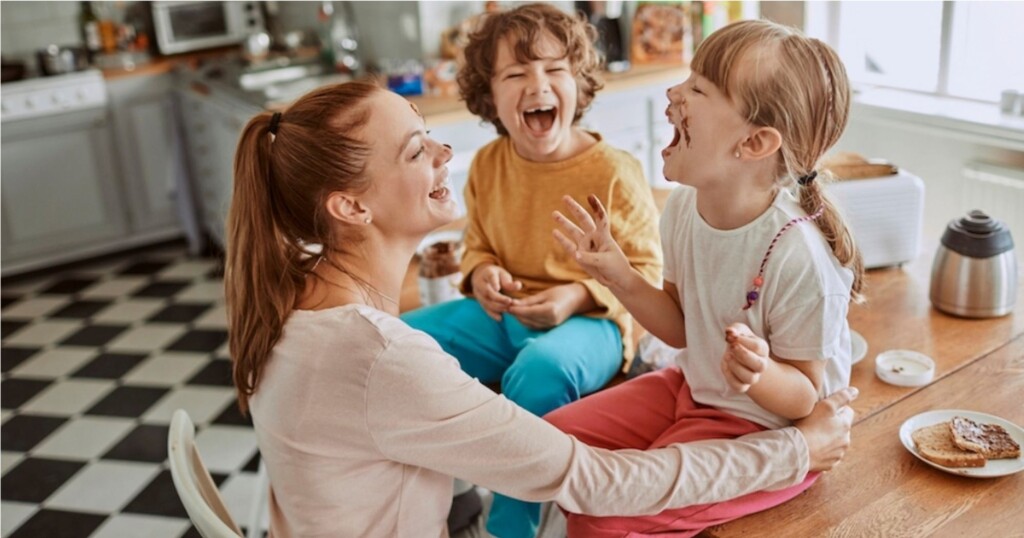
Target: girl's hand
550,307
591,243
746,357
489,281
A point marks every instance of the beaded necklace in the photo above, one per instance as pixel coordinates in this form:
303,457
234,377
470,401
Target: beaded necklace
753,294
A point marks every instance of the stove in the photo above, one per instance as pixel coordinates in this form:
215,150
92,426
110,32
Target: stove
48,96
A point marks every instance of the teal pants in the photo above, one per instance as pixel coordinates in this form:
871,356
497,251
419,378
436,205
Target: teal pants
539,370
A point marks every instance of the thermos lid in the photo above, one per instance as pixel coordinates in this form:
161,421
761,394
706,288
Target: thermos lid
977,235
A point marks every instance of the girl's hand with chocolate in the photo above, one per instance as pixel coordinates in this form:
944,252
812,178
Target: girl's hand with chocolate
489,282
746,357
552,306
589,241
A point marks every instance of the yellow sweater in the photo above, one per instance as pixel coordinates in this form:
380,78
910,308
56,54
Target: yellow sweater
510,201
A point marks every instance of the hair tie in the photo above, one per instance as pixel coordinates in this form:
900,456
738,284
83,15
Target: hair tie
275,120
806,180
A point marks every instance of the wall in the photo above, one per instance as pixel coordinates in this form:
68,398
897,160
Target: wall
28,26
937,156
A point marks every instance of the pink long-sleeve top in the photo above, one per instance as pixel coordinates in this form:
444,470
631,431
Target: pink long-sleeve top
363,421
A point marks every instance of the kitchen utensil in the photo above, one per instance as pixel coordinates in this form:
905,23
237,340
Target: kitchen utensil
59,60
974,274
13,70
256,47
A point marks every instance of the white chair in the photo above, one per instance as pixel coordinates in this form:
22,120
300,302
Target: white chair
193,482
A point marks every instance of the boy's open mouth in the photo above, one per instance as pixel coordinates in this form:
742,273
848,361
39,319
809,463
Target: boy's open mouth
540,119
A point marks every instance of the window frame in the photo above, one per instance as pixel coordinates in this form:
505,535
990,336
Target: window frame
822,20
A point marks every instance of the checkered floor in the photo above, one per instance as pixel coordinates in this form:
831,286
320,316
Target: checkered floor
94,360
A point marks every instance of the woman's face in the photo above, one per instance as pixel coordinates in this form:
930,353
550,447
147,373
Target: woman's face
410,191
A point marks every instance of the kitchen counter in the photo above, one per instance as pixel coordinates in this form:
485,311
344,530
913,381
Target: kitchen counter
222,78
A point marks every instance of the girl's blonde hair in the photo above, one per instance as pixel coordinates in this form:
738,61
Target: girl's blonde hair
798,86
281,185
524,26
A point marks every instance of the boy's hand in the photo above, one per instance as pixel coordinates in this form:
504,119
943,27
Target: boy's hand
550,307
746,357
489,281
591,243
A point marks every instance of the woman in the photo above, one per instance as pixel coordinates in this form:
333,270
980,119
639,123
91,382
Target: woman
363,421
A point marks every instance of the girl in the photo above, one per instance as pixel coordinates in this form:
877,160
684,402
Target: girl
758,277
363,421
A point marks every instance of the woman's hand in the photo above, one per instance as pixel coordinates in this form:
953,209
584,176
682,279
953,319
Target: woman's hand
827,429
746,357
591,244
551,307
489,281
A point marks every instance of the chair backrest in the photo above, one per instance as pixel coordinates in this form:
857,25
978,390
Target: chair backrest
193,482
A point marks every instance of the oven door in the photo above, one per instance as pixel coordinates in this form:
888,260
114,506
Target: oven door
189,26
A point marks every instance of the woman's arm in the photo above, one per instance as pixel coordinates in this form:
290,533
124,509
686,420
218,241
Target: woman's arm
422,410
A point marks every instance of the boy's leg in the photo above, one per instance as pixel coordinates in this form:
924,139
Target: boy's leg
694,423
466,332
558,366
553,368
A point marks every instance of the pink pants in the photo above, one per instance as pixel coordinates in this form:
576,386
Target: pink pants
652,411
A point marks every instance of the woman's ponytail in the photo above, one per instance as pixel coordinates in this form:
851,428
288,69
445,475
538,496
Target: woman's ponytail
286,165
260,288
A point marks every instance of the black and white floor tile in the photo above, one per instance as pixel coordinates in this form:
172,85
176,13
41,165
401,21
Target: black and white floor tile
95,359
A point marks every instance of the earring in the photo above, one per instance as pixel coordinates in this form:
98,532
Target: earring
737,154
367,220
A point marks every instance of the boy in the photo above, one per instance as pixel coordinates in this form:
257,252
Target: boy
534,320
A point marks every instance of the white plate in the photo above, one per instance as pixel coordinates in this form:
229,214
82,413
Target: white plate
992,468
859,345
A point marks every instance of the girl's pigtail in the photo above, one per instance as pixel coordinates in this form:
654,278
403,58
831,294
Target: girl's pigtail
833,227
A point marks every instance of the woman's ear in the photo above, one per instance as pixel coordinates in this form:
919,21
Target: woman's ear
763,142
346,208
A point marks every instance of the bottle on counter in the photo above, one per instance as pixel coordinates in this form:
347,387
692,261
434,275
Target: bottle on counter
325,29
90,27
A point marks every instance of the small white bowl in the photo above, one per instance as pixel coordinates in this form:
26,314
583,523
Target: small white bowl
904,368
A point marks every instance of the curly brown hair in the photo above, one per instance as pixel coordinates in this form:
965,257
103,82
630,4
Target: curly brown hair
525,25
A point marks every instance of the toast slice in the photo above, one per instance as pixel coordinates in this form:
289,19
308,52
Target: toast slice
990,440
935,444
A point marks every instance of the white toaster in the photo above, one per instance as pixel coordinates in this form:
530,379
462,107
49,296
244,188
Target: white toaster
884,214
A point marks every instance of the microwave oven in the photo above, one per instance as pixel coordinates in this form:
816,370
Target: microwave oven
189,26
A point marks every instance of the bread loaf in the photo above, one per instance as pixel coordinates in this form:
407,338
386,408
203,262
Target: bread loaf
935,444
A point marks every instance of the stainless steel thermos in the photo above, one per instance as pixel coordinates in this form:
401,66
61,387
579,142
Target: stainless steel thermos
974,274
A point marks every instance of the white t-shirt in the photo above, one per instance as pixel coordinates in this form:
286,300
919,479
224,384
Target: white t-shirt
801,310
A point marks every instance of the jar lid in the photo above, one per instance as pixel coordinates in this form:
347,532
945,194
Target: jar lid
904,368
977,235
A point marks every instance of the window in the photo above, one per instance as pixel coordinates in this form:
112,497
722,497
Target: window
987,52
961,49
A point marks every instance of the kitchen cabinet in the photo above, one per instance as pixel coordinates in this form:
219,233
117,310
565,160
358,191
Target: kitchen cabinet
61,195
147,143
212,125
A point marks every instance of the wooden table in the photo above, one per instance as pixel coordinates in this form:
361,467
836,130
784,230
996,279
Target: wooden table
880,489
